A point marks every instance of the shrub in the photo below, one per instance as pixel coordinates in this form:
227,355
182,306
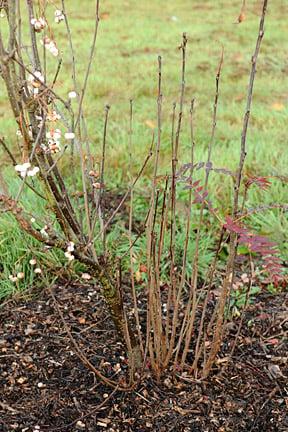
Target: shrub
179,311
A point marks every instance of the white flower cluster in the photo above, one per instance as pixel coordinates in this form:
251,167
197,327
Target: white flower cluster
59,16
39,24
19,276
70,248
43,231
26,170
69,135
54,136
33,262
72,94
19,133
53,116
50,45
35,81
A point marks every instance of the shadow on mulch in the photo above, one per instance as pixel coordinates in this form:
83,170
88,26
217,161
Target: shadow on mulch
45,387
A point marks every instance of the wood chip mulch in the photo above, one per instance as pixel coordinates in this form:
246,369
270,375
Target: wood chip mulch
44,386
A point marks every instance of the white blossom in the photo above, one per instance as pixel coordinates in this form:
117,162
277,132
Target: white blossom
53,116
70,247
54,140
69,135
38,270
54,146
25,171
20,275
13,278
22,168
54,134
54,50
34,82
59,16
33,171
50,45
38,23
43,231
69,256
72,95
32,262
39,76
57,134
44,148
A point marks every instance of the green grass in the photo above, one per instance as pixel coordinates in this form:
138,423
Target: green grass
131,36
16,250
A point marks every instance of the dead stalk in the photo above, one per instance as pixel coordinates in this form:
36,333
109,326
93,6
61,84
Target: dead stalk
191,310
233,238
133,289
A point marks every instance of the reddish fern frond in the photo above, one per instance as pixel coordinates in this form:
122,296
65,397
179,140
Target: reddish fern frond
260,245
199,193
274,268
193,185
208,167
262,182
264,207
235,227
188,166
200,197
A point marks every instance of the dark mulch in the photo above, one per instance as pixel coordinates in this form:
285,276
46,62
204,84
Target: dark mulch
45,387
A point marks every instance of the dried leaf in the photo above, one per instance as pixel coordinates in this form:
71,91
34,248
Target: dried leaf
275,371
138,276
278,106
21,380
150,123
241,17
104,15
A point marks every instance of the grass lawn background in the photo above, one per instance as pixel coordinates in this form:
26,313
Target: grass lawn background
131,36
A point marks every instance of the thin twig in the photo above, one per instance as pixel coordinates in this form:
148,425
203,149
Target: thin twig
92,52
134,295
